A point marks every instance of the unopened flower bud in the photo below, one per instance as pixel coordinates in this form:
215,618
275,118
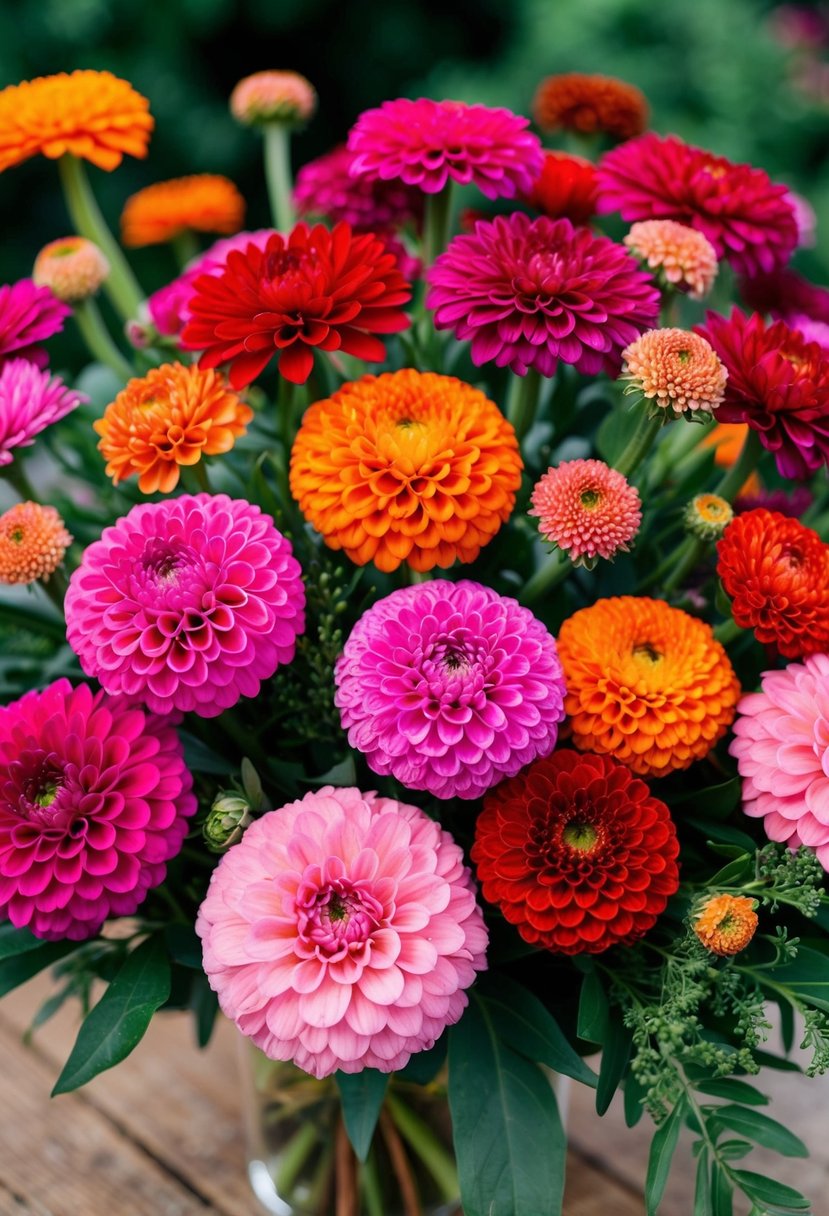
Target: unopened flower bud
72,267
226,821
707,516
273,97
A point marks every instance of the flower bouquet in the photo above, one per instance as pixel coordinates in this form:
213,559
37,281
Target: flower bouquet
415,628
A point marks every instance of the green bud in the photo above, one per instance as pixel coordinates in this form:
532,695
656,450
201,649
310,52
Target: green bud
707,516
226,821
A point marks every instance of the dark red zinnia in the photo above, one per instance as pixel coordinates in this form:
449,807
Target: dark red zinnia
566,187
313,290
577,853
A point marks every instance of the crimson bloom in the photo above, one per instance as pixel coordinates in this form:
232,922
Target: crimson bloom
566,187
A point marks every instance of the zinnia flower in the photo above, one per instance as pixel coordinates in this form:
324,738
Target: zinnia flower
406,467
577,853
342,932
785,294
449,687
646,683
780,744
92,115
186,604
427,143
171,417
94,801
680,256
707,516
28,316
72,267
586,509
574,101
565,189
677,371
33,542
273,97
725,924
204,202
779,384
30,400
313,290
794,504
748,219
776,572
533,293
326,188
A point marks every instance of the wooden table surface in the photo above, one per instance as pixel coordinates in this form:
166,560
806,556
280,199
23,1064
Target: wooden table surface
161,1134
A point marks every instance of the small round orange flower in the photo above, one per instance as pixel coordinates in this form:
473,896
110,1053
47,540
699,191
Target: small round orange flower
172,416
725,924
33,541
679,255
204,202
72,267
92,115
675,370
406,467
574,101
646,683
707,516
273,97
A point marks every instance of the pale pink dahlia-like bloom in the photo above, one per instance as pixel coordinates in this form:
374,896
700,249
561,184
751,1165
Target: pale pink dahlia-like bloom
539,292
94,801
781,745
586,509
678,372
327,188
680,256
427,143
186,604
30,400
450,687
342,932
273,96
28,316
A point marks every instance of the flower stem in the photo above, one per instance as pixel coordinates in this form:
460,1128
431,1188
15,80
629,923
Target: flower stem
640,442
277,139
185,247
728,631
522,401
436,224
554,570
425,1144
16,476
98,340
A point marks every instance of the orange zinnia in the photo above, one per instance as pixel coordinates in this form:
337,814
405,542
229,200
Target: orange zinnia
725,924
33,541
646,683
172,416
204,202
92,115
406,467
574,101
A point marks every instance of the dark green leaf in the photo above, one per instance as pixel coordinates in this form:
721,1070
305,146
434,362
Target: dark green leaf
787,1028
424,1066
702,1190
203,759
634,1101
592,1019
184,945
732,1090
774,1195
767,1059
525,1025
341,774
48,1009
661,1154
615,1056
761,1129
362,1095
733,1150
807,975
734,873
722,832
19,968
715,802
614,433
722,1194
205,1006
16,941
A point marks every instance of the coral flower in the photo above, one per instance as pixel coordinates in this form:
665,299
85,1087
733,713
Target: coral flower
725,924
680,256
707,516
30,400
776,572
748,219
273,97
577,853
33,542
574,101
587,509
72,267
327,188
677,371
88,114
205,202
449,687
646,683
342,932
427,144
94,801
313,290
565,189
537,292
28,316
406,467
171,417
186,604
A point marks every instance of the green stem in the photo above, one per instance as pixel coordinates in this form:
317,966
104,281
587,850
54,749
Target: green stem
522,401
640,442
200,473
56,588
16,476
370,1187
121,284
98,339
728,631
277,139
185,247
292,1158
431,1152
555,569
436,224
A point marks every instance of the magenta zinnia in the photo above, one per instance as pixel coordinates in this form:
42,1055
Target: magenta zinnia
586,509
30,400
326,188
28,316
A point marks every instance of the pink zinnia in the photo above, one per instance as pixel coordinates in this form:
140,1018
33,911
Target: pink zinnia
28,316
327,188
586,509
534,293
427,143
30,400
450,687
782,749
748,219
94,801
186,604
342,932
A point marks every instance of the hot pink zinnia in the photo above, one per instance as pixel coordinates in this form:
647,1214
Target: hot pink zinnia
94,801
327,188
427,143
450,687
28,316
30,400
186,604
533,293
587,509
782,749
342,932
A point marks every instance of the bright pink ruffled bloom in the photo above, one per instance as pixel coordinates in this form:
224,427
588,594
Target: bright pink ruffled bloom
748,219
30,400
28,316
327,188
186,604
94,801
427,143
782,749
533,293
450,687
342,932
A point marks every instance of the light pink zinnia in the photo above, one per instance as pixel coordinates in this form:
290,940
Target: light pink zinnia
94,801
28,316
30,400
186,604
342,932
587,509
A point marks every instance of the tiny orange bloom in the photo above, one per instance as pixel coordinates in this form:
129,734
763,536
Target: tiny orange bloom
33,541
205,202
725,924
574,101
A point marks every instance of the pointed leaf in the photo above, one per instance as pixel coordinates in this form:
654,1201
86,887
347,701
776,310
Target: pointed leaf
525,1025
615,1056
807,975
732,1090
703,1203
592,1019
775,1196
361,1096
19,968
424,1066
16,941
661,1154
761,1129
722,1193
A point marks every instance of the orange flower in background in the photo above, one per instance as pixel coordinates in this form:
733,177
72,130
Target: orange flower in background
72,267
171,417
33,541
646,683
725,924
92,115
406,467
574,101
205,202
727,439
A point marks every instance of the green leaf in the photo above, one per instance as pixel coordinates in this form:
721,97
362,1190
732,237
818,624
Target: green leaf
733,1150
717,801
362,1095
732,1090
734,873
201,758
807,975
119,1020
703,1203
615,1056
661,1154
614,433
722,1194
342,774
205,1006
634,1101
424,1066
761,1129
184,945
592,1019
722,832
772,1195
19,968
525,1025
16,941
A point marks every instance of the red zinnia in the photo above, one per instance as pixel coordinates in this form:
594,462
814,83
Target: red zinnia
314,289
566,187
577,853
